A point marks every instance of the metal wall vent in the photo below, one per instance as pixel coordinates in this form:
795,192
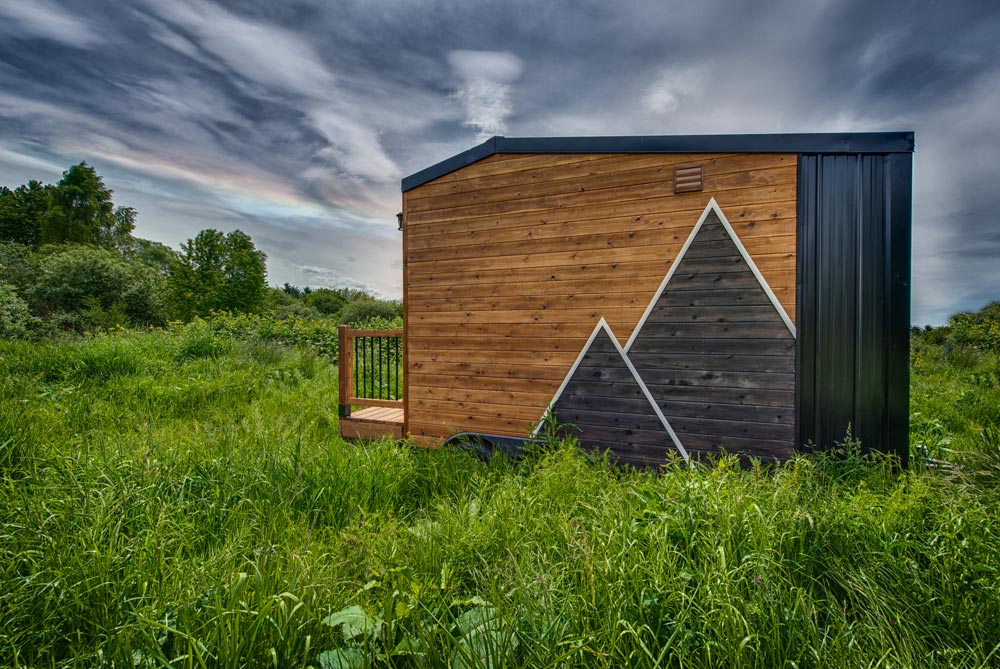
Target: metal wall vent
688,178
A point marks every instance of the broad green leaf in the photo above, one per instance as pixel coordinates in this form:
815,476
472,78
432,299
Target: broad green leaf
352,620
409,646
481,619
343,658
485,642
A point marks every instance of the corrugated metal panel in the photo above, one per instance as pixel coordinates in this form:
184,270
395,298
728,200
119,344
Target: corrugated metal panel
854,297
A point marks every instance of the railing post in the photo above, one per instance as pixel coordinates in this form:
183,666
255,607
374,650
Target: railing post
345,364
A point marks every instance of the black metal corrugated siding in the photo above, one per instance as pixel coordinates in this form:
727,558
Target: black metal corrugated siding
854,300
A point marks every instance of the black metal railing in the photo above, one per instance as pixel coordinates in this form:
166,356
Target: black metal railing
371,368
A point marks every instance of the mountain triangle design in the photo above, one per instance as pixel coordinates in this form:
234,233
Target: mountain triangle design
605,406
716,354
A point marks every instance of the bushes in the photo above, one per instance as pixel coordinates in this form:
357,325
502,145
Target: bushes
319,335
969,330
365,309
326,301
16,321
84,287
980,330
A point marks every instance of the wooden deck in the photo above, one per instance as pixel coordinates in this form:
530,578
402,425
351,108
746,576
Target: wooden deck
373,423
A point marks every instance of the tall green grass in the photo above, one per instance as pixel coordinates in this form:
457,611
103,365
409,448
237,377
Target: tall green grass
183,499
955,407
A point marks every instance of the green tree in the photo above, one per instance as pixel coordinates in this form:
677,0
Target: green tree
80,210
81,206
327,301
367,308
115,233
280,304
294,291
217,272
159,257
22,212
83,285
245,272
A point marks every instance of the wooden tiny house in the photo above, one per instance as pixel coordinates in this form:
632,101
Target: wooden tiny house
664,295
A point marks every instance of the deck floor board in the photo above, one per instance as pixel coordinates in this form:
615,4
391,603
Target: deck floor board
373,423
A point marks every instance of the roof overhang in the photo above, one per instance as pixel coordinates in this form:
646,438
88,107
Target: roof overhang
827,143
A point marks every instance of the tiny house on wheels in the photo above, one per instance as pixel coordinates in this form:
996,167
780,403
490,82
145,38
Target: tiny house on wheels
660,296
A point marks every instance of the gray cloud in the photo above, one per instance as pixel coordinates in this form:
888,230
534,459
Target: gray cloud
294,121
45,20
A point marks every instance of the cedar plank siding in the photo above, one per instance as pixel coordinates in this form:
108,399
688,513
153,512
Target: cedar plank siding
621,418
510,262
696,391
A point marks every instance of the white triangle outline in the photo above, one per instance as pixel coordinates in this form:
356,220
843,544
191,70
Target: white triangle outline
712,206
603,324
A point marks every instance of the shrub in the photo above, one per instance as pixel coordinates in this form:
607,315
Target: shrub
316,334
367,308
99,286
980,330
279,303
18,265
326,300
16,321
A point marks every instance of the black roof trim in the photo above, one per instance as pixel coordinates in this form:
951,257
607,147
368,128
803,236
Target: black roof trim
848,142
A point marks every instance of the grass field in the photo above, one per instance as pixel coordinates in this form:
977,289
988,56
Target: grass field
183,499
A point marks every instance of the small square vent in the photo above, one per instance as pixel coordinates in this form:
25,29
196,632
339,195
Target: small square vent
688,178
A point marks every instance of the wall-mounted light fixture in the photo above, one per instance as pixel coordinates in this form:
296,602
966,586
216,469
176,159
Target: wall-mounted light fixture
399,221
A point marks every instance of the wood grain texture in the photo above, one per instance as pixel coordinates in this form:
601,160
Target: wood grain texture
406,312
634,427
345,369
561,172
761,375
510,262
373,423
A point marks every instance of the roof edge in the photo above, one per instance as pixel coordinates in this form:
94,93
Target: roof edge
848,142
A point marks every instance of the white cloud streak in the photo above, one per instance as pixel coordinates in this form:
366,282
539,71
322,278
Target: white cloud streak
281,62
48,21
674,87
260,52
485,91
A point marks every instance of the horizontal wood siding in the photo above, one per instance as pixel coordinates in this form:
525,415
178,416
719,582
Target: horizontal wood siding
510,263
762,422
632,431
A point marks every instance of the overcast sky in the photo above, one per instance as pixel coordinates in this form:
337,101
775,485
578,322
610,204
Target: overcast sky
294,121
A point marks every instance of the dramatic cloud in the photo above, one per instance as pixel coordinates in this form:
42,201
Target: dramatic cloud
44,20
294,121
485,91
258,51
674,86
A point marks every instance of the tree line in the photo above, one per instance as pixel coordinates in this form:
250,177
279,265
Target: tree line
69,261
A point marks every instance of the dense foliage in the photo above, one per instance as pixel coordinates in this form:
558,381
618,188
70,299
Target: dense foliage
955,388
69,262
181,498
218,272
78,209
81,285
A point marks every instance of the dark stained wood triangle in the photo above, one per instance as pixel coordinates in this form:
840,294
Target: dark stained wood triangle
605,407
717,356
